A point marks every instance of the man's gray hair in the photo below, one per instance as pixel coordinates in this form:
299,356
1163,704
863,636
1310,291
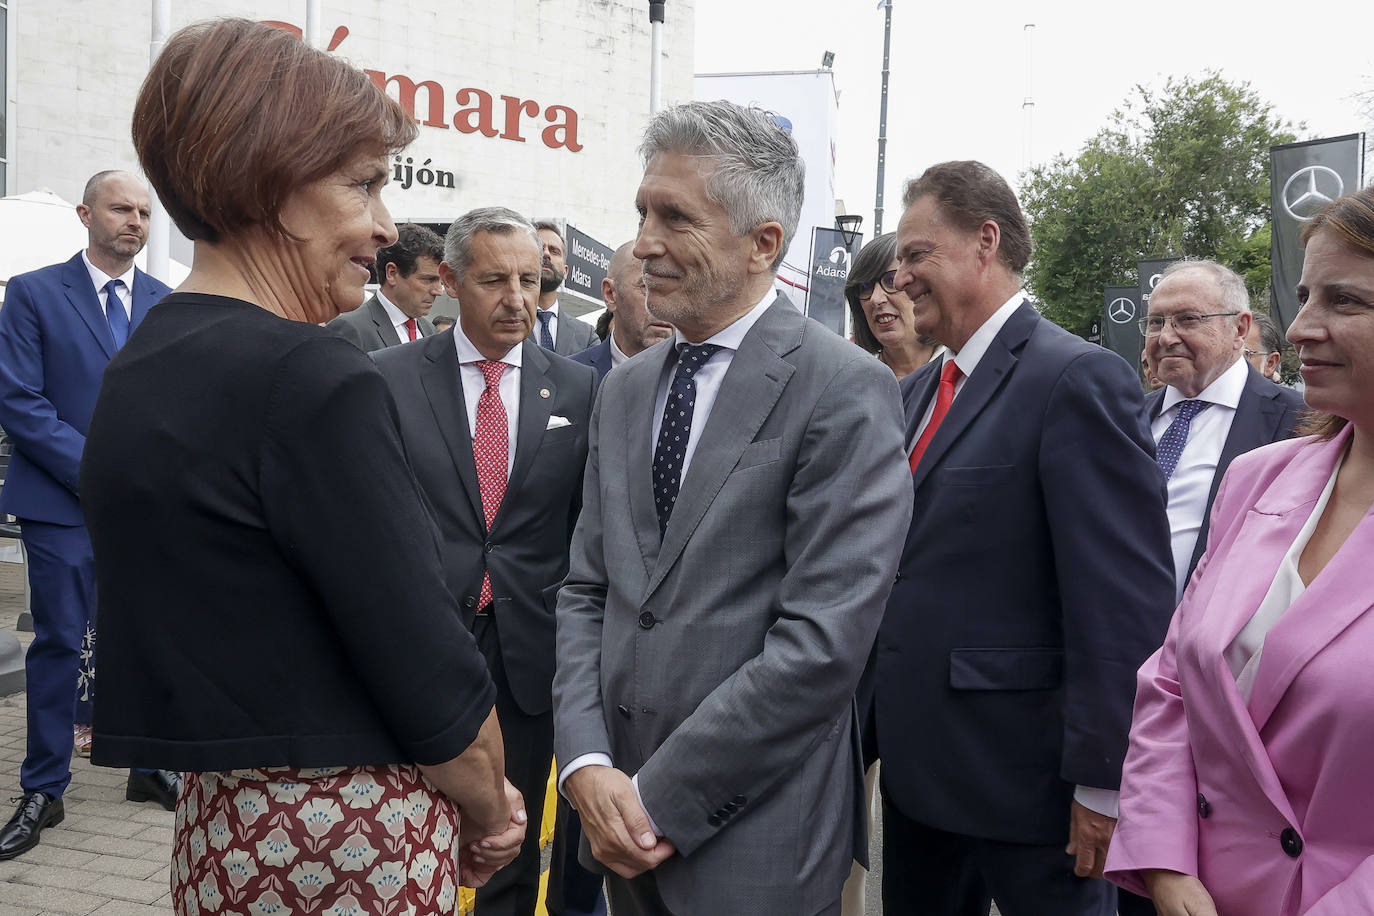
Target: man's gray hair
1232,294
496,220
759,175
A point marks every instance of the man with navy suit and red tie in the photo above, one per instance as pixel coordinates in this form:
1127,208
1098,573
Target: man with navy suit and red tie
58,329
1033,583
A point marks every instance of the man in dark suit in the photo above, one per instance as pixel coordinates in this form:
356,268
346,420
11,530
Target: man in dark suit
58,329
1214,405
633,329
563,334
1033,582
496,430
409,275
743,509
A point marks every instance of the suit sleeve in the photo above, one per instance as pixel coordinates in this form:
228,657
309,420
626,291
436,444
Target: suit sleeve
348,331
26,414
342,503
847,512
1105,507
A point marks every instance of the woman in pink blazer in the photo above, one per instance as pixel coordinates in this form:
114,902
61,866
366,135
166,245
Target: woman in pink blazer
1248,789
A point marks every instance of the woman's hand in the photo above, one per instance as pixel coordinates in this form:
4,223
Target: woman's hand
482,854
1177,894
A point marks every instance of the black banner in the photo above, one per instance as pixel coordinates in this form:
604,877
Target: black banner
1120,330
830,260
1303,178
587,260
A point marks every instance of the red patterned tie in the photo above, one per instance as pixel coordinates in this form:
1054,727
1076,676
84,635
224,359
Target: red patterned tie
410,327
949,377
489,449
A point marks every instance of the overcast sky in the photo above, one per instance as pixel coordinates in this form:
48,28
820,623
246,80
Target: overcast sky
959,71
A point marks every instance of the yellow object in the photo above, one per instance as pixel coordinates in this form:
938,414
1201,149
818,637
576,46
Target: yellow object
467,897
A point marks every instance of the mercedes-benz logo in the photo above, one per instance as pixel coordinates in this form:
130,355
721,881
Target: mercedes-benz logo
1308,190
1121,311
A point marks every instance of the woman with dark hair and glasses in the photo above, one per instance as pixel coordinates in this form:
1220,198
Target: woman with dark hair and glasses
884,323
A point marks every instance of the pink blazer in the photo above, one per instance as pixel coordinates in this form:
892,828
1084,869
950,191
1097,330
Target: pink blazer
1272,807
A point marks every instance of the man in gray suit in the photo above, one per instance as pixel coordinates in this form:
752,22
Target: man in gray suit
744,506
409,274
563,334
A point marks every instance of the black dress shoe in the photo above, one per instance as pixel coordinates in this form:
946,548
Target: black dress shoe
35,812
161,786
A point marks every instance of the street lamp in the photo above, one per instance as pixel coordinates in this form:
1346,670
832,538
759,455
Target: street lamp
849,224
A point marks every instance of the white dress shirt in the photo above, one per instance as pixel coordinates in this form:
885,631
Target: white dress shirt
708,380
968,358
474,383
1243,655
398,319
126,292
617,355
1197,465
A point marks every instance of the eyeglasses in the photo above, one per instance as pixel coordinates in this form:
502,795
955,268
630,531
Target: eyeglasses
1249,353
888,282
1153,325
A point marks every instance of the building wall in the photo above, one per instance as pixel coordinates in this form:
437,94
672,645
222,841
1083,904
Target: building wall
80,63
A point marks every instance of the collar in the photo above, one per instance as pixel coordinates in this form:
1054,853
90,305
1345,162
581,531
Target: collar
977,345
468,353
552,310
617,355
1225,389
396,316
733,335
99,278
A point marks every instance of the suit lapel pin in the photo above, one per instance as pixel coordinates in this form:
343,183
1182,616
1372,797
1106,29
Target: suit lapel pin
544,393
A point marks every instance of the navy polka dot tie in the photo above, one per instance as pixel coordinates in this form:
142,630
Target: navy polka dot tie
676,428
1170,447
545,338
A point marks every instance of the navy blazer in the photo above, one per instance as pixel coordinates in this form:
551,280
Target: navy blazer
1266,413
598,356
1035,580
54,346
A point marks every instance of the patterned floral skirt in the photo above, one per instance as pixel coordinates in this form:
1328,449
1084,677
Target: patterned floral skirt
342,841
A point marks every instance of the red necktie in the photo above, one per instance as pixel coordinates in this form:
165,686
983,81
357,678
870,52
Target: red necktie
489,449
949,377
410,327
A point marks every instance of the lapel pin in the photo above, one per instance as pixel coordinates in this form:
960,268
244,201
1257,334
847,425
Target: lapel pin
543,392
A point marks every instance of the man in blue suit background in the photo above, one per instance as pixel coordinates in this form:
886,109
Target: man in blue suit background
634,328
58,329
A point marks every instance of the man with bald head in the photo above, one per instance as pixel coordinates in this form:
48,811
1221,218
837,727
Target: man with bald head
58,329
1214,405
634,328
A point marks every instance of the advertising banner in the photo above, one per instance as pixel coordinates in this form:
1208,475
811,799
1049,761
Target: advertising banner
588,261
1120,316
830,260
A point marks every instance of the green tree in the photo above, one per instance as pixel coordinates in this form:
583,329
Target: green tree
1179,171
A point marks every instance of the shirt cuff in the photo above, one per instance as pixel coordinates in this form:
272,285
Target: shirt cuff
586,760
1102,801
652,826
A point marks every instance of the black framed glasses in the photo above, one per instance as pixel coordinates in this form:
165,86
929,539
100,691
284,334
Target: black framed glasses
1184,322
888,281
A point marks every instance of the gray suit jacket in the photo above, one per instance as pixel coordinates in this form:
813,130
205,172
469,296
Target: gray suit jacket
370,328
573,336
720,664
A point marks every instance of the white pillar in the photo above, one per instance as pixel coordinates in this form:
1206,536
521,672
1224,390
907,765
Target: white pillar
159,226
312,23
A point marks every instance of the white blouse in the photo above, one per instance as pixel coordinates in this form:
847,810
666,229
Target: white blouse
1243,655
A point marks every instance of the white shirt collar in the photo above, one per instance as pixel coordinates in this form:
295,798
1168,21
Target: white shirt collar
971,354
617,355
397,316
733,335
468,352
553,309
1225,389
99,278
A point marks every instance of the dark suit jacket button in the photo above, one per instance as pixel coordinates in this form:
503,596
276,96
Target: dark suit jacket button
715,820
897,578
469,601
623,710
740,801
1291,842
488,548
647,620
1204,808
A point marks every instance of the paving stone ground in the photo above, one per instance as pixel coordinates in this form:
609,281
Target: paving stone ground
110,856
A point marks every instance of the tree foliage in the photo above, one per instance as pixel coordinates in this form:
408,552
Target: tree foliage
1182,171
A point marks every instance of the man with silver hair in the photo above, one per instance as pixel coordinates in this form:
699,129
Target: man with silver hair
1214,405
511,418
743,510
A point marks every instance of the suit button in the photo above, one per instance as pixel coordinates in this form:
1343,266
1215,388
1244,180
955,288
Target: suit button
1204,807
715,820
647,620
470,601
1291,842
897,578
488,548
623,710
739,801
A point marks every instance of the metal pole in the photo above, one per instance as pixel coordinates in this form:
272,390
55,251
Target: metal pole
882,127
312,23
1028,105
656,55
159,226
